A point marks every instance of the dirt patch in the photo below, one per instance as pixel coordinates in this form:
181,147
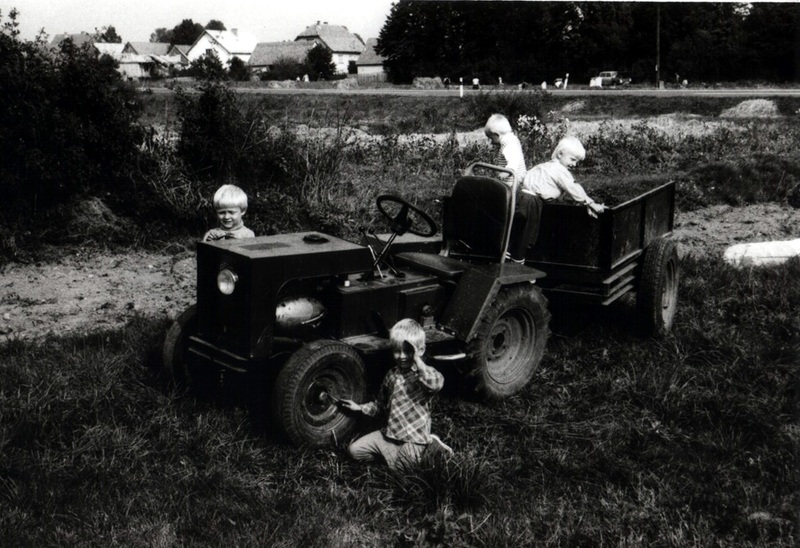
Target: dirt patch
83,292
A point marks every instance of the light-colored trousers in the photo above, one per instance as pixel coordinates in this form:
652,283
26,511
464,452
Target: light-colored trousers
395,453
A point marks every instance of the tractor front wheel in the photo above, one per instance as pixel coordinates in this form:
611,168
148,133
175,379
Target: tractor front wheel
509,344
304,396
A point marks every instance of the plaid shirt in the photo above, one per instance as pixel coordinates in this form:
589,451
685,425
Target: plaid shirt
405,397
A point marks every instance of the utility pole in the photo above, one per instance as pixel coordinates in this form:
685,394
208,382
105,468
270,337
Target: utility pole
658,45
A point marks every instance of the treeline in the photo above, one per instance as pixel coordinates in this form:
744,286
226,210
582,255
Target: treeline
535,41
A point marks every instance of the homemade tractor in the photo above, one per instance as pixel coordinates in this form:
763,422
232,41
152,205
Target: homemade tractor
305,314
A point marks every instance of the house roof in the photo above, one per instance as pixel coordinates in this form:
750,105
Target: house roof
148,48
77,39
335,37
179,49
267,53
369,56
233,41
111,49
145,59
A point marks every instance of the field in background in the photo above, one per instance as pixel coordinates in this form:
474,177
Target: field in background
691,440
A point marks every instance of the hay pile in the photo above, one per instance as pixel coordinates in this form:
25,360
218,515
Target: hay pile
422,82
753,108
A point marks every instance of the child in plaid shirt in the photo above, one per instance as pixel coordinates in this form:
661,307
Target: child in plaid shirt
405,396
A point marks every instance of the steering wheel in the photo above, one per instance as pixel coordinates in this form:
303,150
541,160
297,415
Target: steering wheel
404,221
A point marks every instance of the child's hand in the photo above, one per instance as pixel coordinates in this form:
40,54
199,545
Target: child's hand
594,208
411,352
415,356
350,405
215,234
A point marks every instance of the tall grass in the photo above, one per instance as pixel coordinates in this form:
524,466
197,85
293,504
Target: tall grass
691,440
325,171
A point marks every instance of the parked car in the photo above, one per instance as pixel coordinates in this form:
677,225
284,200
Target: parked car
610,79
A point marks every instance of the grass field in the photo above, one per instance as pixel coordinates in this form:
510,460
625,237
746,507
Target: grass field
691,440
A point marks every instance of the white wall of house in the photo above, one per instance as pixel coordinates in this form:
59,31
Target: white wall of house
203,45
342,60
370,69
133,71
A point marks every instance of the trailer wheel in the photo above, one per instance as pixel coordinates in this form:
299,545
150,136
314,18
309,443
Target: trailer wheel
657,296
301,405
173,351
509,344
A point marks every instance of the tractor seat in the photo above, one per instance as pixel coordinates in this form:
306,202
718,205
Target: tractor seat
438,265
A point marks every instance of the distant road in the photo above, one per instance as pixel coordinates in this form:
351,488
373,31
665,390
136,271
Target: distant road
454,92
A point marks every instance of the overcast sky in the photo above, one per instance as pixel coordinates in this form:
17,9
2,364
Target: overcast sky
135,20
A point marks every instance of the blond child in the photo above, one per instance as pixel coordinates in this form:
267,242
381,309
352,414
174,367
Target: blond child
405,397
509,150
548,181
552,180
230,204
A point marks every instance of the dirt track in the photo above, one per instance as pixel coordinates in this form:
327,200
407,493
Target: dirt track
82,292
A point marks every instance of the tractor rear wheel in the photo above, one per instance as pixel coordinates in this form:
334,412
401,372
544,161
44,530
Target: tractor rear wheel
305,392
657,296
202,382
509,344
173,351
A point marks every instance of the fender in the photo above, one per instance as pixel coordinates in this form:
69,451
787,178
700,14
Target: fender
476,289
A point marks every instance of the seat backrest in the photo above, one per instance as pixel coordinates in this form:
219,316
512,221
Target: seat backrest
477,218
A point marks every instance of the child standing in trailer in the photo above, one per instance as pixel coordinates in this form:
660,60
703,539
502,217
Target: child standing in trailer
230,203
551,181
509,150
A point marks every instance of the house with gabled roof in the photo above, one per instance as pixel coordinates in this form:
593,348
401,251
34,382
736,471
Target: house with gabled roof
345,46
112,49
370,64
180,51
146,48
267,54
227,44
78,39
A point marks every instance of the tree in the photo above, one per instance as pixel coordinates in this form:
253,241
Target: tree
215,25
771,42
208,67
107,34
319,63
161,35
284,68
187,32
238,70
68,124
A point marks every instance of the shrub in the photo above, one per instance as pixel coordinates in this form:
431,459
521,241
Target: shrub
208,67
284,69
68,123
238,70
512,104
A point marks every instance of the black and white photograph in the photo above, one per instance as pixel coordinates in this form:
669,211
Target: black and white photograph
399,273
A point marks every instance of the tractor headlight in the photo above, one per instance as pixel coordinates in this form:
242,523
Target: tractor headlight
226,281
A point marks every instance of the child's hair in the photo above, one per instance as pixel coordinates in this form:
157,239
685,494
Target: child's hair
497,123
407,330
570,144
230,196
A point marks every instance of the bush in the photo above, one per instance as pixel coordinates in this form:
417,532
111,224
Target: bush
512,104
238,70
284,69
68,123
